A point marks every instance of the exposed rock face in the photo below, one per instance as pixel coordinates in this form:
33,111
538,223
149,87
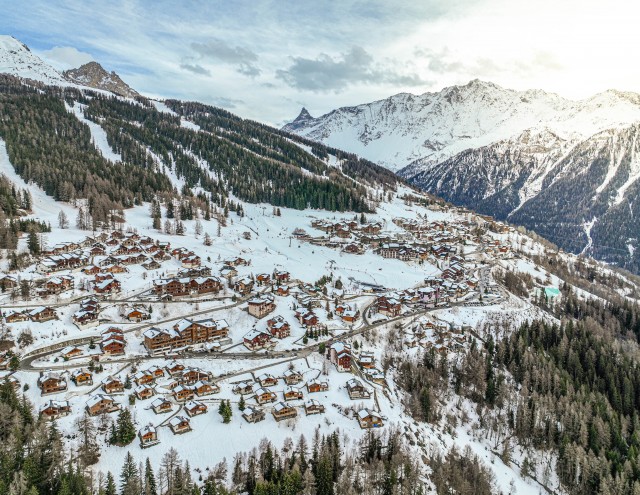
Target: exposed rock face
94,75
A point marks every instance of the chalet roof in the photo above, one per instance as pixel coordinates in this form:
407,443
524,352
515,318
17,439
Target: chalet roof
177,420
280,406
365,413
96,399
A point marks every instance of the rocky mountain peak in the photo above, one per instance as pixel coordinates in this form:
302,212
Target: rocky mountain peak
93,75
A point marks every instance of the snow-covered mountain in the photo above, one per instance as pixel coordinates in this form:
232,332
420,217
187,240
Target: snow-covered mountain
406,129
18,60
566,169
95,76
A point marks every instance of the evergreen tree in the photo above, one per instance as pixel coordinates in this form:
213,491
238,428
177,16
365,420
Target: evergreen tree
129,477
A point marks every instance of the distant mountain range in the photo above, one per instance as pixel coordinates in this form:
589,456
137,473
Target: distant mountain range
18,60
567,169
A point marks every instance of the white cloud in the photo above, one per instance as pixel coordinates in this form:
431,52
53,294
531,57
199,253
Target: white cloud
65,57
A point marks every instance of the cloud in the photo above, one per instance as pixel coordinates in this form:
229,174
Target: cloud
327,73
195,68
66,57
218,50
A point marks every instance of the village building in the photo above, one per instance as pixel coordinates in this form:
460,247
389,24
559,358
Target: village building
267,380
203,388
312,406
183,393
179,425
148,437
357,390
42,314
388,306
243,388
243,286
174,368
191,376
82,377
282,411
101,404
112,385
253,414
15,316
292,393
55,409
161,405
261,306
340,356
71,352
194,408
257,339
51,383
144,392
369,419
292,377
264,395
263,279
278,327
315,386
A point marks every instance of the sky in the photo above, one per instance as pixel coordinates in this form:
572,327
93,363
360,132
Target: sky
265,59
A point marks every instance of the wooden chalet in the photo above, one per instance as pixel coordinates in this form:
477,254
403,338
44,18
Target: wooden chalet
315,386
137,315
15,316
113,346
71,352
82,377
369,419
243,388
161,405
109,286
179,425
112,385
312,406
267,380
55,409
292,377
388,306
253,414
261,306
257,339
148,437
203,388
101,404
191,376
43,313
263,279
357,390
282,411
264,395
243,286
292,393
340,356
144,392
51,383
183,394
174,368
194,408
278,327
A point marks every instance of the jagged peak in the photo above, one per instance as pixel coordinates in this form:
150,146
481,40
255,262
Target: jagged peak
94,75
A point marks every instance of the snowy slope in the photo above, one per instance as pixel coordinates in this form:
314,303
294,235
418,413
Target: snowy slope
16,59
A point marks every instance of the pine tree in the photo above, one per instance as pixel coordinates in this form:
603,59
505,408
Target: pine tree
33,243
129,477
63,221
241,404
125,430
110,485
150,485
